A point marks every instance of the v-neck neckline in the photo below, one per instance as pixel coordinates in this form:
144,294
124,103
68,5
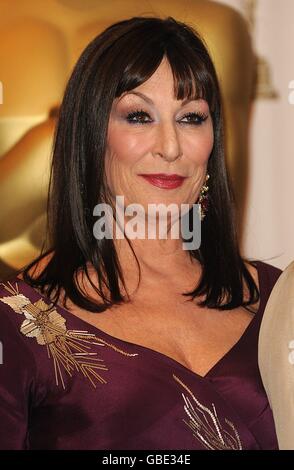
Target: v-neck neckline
157,354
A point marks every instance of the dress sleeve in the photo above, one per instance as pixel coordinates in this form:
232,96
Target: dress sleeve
16,382
276,356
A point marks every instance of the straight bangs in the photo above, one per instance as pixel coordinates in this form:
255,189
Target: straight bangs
193,71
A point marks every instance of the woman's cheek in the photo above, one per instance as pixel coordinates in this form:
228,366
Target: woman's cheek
206,147
199,154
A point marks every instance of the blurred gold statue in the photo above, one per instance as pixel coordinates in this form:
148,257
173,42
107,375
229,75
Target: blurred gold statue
24,167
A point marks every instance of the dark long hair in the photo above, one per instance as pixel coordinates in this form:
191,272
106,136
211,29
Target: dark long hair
119,59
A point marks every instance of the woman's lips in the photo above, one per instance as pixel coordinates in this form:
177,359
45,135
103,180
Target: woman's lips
164,181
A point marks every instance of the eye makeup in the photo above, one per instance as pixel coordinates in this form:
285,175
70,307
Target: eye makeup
139,116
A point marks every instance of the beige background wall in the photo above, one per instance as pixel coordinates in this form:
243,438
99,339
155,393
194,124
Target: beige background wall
269,224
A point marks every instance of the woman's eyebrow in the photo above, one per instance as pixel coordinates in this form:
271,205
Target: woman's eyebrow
149,100
141,95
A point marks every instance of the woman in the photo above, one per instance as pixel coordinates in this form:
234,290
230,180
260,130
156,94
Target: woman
276,356
113,343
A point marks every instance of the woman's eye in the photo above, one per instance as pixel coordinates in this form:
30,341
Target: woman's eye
138,117
141,117
195,119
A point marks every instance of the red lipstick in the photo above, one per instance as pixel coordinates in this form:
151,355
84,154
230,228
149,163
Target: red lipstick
163,180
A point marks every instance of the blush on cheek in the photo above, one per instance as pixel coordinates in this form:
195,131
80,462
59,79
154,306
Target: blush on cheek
124,147
202,154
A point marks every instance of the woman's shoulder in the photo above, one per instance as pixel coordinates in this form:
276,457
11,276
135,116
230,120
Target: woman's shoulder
25,315
265,276
19,297
14,306
16,296
268,275
13,299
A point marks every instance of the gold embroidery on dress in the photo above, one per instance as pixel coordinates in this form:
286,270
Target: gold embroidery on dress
70,350
206,426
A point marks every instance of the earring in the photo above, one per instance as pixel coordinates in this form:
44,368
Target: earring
203,199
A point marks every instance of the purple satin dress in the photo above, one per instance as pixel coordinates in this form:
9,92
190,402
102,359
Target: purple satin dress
65,384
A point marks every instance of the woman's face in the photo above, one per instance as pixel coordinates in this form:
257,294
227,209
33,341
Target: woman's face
151,132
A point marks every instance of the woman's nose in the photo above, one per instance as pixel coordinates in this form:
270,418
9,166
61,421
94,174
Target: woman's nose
167,143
